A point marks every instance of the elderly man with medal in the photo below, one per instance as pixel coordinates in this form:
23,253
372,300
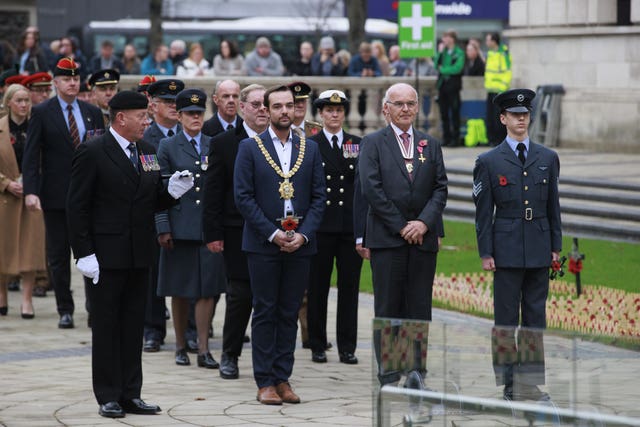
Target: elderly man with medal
280,192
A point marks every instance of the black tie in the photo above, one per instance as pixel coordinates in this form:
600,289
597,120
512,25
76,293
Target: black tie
521,149
230,126
170,133
133,155
336,148
195,145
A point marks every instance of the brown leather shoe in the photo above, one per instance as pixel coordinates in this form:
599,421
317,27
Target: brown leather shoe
269,396
287,395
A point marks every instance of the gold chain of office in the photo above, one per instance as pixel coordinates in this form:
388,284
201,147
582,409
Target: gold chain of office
286,187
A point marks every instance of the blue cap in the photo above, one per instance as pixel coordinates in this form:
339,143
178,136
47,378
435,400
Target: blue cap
515,100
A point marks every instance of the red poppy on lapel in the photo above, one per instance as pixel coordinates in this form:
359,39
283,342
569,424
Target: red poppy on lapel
502,180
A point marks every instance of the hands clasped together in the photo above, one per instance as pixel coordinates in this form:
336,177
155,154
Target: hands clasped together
414,232
288,244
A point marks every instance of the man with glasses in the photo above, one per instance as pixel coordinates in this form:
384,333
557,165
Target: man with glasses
222,224
225,100
56,128
162,94
403,180
39,85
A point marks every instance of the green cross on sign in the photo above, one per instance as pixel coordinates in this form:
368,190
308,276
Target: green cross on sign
416,29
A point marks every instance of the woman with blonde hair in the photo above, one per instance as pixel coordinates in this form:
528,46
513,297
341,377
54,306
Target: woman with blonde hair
195,65
22,244
379,52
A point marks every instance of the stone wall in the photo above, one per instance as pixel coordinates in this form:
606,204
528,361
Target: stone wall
577,44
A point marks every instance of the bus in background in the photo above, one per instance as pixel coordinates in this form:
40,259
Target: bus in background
285,34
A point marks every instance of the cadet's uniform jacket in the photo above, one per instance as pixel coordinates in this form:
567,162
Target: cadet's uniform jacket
339,175
184,221
517,207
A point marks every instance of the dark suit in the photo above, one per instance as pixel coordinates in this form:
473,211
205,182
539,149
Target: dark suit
518,224
278,279
46,167
110,212
212,127
402,273
222,221
155,323
336,242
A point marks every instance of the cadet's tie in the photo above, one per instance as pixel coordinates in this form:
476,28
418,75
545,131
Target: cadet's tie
171,132
521,149
230,126
73,127
336,148
133,155
195,145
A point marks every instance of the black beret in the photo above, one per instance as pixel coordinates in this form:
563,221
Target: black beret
104,77
165,89
191,100
515,100
128,100
7,73
300,90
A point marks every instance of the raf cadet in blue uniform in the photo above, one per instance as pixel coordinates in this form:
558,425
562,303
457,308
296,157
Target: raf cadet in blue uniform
187,269
519,234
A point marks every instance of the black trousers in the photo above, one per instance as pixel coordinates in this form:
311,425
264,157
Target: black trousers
155,322
403,282
59,259
496,131
238,296
118,307
338,247
519,298
449,102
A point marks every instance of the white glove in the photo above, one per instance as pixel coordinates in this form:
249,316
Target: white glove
180,183
89,267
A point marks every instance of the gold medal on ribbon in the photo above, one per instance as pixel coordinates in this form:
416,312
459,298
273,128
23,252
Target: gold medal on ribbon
409,167
286,189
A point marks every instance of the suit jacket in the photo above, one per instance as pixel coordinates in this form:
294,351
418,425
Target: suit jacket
394,198
258,199
506,194
220,209
48,152
184,220
340,175
110,205
153,135
212,127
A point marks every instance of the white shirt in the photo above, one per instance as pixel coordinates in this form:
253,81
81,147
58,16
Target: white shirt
250,132
284,156
122,142
329,137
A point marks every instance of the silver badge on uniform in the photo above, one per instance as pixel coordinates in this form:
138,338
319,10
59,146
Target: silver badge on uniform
204,162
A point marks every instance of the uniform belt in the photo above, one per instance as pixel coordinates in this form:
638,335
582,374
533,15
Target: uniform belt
527,213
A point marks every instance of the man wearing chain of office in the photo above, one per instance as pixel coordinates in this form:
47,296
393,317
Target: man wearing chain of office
280,192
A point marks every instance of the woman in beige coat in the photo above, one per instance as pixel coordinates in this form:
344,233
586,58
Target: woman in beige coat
22,243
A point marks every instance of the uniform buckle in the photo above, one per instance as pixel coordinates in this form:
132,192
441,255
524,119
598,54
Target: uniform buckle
528,214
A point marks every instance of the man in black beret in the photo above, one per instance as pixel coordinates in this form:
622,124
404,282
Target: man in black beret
515,189
104,84
114,192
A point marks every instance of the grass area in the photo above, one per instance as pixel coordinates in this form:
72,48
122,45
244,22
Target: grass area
611,264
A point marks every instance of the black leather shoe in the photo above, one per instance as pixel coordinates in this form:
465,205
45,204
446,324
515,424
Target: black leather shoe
151,346
111,410
4,310
229,367
66,321
206,360
348,358
318,357
246,339
305,344
182,358
329,346
192,346
140,407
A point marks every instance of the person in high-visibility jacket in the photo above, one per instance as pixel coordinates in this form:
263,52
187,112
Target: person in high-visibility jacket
497,79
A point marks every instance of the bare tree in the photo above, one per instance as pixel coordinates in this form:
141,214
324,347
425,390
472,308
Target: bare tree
316,13
155,16
357,15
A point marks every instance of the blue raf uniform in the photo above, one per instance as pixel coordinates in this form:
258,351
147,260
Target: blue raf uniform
515,190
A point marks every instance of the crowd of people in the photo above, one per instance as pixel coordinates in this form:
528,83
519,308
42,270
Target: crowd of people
257,203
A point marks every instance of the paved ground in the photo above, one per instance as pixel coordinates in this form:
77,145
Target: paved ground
45,373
